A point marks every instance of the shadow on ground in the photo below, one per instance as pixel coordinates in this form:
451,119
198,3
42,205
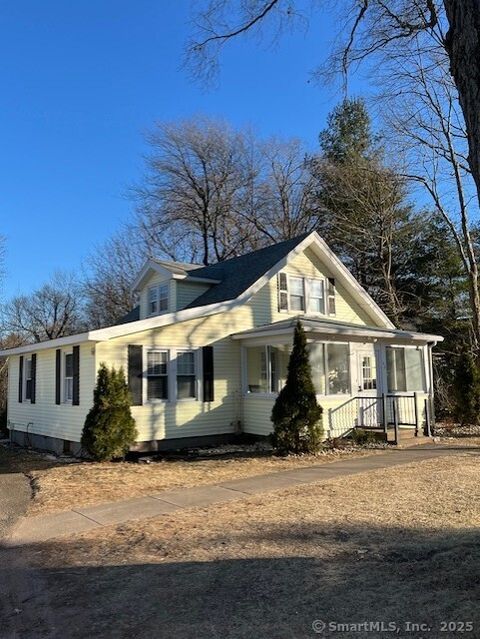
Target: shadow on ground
349,575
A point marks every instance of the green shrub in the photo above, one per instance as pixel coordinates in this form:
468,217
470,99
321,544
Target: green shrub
109,428
467,389
296,415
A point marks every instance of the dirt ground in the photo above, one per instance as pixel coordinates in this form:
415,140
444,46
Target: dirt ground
62,487
398,545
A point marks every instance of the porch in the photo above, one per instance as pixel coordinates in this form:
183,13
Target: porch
377,379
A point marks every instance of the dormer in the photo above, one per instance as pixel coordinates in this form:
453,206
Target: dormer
165,287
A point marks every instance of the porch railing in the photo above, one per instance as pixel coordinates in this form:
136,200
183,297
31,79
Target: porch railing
382,412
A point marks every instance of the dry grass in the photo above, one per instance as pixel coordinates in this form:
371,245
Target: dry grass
398,544
84,484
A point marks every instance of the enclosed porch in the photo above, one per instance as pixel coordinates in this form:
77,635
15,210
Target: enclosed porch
365,377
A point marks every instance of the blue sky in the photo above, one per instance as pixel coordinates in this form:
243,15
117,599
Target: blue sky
82,81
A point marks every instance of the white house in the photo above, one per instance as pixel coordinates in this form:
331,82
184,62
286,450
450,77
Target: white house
207,349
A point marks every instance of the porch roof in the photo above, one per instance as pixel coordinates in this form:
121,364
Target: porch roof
336,329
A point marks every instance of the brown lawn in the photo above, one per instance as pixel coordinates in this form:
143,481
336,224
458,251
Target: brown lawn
396,545
62,487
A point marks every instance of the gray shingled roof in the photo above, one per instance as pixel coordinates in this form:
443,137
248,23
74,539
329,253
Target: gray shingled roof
239,273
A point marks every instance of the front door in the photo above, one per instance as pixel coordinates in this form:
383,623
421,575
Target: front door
368,403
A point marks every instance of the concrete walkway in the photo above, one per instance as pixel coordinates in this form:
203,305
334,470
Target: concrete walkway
37,529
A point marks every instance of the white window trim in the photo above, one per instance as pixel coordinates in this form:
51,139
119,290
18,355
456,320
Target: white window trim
64,378
196,373
425,376
306,295
172,374
270,395
309,296
157,288
25,378
155,400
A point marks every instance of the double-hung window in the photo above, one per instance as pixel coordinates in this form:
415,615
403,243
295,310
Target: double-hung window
157,375
28,379
68,377
316,298
153,300
163,298
297,294
305,294
157,299
186,375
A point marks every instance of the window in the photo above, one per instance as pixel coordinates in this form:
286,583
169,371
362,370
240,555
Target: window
163,298
157,299
186,377
338,367
278,358
257,375
68,377
316,301
153,300
28,378
157,375
405,370
282,284
331,296
330,364
297,294
300,294
369,373
317,363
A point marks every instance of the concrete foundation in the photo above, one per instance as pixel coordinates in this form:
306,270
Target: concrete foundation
66,447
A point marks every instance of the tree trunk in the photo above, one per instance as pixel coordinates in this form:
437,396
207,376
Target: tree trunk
462,43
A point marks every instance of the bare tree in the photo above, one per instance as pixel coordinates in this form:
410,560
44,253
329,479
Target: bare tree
54,310
111,269
197,172
396,33
283,204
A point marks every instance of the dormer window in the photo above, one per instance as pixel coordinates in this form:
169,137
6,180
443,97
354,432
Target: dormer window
157,299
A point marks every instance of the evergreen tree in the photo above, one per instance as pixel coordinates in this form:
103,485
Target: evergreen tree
467,389
363,212
109,428
296,415
348,135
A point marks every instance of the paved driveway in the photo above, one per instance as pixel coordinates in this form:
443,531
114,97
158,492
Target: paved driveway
14,493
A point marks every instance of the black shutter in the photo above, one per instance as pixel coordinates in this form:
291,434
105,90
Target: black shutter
76,376
58,375
207,359
20,379
135,373
33,375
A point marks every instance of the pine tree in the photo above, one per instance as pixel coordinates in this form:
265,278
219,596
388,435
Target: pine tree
467,389
296,415
109,428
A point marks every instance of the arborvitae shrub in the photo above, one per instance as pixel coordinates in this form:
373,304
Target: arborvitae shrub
467,389
109,428
296,415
